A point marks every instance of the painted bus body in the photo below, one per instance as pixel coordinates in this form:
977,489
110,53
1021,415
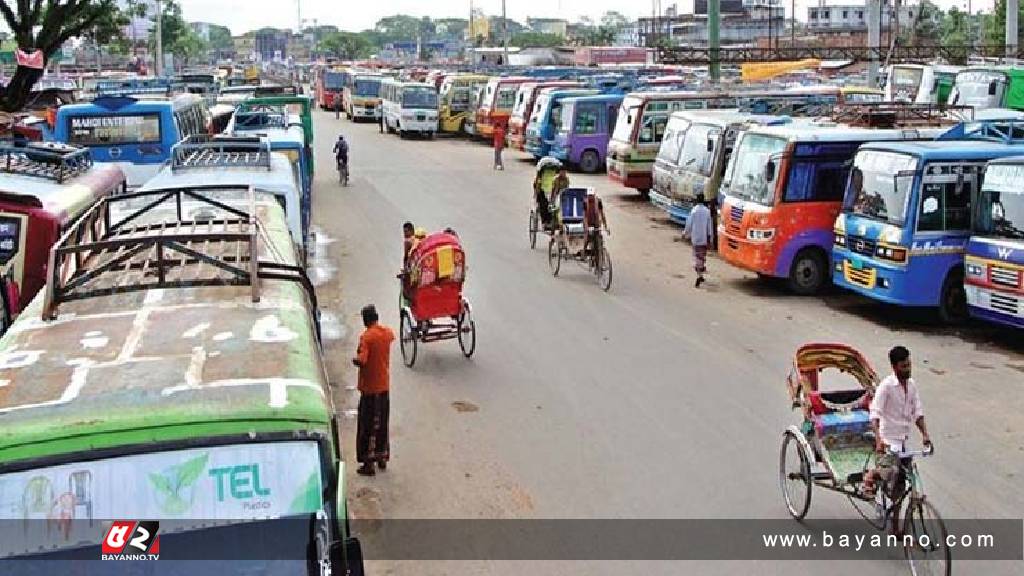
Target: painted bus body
409,108
587,125
136,135
547,117
458,98
188,405
984,88
361,97
641,126
903,233
330,84
994,266
526,99
496,107
783,191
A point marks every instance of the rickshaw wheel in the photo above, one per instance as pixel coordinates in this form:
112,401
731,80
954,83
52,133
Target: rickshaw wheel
534,226
604,272
407,339
554,256
467,330
795,477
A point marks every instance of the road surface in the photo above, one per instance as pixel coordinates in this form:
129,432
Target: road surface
655,400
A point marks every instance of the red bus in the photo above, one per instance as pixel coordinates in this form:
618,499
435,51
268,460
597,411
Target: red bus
44,188
526,97
330,83
496,107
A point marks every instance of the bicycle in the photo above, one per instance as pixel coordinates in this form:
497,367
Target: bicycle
342,172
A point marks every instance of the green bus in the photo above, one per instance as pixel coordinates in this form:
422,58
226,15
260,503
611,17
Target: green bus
989,87
171,372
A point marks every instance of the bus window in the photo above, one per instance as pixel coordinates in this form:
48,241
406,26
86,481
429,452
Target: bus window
945,206
672,143
112,130
817,181
695,156
612,114
507,97
586,120
653,129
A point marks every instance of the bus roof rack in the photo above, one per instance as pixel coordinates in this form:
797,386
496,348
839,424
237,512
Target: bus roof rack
49,160
1007,131
901,115
220,152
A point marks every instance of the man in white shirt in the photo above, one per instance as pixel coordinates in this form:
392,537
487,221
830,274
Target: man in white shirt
894,408
699,231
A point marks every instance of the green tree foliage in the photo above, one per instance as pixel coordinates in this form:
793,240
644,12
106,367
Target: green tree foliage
220,39
955,33
536,40
347,45
178,37
36,25
399,28
994,30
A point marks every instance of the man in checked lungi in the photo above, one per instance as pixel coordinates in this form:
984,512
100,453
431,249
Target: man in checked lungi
699,231
373,357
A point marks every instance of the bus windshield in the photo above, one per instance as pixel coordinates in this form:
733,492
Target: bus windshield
749,175
628,113
980,88
879,187
114,130
538,108
522,100
1000,212
460,97
334,80
367,88
906,81
419,97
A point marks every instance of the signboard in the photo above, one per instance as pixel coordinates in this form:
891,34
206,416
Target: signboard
228,483
115,129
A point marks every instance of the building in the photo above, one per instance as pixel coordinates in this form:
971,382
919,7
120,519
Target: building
853,17
629,35
741,22
271,44
245,46
553,26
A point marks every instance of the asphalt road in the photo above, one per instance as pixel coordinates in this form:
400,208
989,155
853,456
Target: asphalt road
654,400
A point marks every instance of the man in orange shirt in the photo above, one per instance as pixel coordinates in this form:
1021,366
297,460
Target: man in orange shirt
373,357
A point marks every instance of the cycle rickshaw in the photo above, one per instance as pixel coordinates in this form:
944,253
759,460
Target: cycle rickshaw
432,305
833,448
569,241
547,168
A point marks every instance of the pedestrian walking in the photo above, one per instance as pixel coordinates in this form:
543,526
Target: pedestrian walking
699,231
337,107
373,357
499,146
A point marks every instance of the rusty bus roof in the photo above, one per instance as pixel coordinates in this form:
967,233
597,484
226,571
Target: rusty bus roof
164,364
68,197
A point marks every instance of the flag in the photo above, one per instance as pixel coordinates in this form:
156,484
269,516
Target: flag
32,59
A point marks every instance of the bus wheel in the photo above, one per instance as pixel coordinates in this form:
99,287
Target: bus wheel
590,162
953,300
807,273
645,192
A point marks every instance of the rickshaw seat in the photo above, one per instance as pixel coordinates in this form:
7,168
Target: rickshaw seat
572,205
859,399
852,422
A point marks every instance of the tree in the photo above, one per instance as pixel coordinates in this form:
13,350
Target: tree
45,28
954,33
347,45
399,28
220,39
536,40
995,25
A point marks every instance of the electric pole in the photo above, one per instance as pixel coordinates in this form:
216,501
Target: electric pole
715,69
1011,28
504,32
158,66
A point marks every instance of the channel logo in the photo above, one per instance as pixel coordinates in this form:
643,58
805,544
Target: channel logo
131,540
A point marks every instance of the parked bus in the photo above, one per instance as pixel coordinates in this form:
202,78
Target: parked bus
43,189
906,219
475,102
203,84
989,87
693,156
137,135
361,97
783,190
920,83
136,88
641,126
196,396
526,97
498,100
456,100
587,124
330,83
994,267
807,101
409,108
547,118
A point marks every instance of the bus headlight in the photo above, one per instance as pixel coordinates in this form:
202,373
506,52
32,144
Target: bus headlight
760,234
890,253
975,270
840,240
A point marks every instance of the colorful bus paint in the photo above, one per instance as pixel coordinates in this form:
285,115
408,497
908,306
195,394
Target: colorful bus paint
989,87
231,431
694,154
994,265
526,98
587,125
546,119
137,135
640,127
43,190
458,98
903,233
329,86
361,97
783,190
496,107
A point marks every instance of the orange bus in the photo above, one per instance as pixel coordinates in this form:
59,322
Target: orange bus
526,97
498,100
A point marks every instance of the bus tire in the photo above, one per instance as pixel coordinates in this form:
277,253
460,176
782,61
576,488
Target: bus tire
402,133
807,273
644,192
953,298
590,162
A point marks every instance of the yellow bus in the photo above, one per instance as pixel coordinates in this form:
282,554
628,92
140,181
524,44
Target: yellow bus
456,100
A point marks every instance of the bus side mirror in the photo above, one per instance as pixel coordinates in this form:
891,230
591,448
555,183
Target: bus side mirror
992,86
769,171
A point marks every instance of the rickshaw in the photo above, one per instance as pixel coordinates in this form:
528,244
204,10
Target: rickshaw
834,447
547,171
568,241
433,307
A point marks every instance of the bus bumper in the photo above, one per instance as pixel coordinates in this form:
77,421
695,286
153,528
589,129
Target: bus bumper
759,257
618,171
995,306
366,112
677,212
885,283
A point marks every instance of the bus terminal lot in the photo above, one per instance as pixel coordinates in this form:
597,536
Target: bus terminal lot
654,400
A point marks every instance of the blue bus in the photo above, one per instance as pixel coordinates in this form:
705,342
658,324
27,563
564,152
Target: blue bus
995,253
546,118
906,219
135,134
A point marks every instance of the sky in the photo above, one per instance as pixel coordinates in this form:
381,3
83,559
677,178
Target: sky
244,15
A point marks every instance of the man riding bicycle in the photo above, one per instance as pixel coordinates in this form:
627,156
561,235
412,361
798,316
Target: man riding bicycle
593,219
341,152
